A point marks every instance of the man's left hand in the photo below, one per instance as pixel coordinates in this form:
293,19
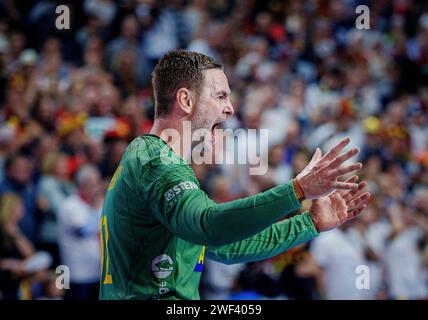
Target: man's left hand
338,207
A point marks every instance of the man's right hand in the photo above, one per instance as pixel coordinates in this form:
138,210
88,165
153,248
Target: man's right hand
320,175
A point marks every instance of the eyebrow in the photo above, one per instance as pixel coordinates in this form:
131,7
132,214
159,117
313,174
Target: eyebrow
222,92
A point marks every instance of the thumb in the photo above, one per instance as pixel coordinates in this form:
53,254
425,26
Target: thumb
315,158
317,155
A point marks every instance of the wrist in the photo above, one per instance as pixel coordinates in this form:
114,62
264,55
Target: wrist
298,190
310,221
314,222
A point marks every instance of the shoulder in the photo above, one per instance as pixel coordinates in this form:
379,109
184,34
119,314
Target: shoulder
146,148
152,155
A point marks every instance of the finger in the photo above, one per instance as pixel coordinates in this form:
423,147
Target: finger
345,192
357,208
336,173
344,185
342,158
333,153
353,193
354,213
358,201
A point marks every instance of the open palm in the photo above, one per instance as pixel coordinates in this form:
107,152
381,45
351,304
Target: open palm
333,210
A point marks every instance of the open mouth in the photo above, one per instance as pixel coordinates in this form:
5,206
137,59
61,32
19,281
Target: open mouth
217,125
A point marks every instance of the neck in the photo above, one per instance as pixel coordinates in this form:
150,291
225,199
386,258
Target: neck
176,133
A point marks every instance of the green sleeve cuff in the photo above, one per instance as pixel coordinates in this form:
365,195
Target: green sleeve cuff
292,196
307,220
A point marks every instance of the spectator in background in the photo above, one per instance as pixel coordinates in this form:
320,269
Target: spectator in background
301,278
53,74
404,253
53,189
297,68
127,43
79,234
167,30
20,265
358,234
338,257
18,180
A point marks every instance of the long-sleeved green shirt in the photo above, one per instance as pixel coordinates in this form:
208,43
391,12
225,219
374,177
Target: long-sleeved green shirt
157,226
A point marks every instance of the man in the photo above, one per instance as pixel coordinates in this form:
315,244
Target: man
78,234
157,224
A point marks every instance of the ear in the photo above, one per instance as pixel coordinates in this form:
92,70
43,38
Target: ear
184,99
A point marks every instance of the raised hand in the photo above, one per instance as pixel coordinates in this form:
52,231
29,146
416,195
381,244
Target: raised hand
331,211
320,175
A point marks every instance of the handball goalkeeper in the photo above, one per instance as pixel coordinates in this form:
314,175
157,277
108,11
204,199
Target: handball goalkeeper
157,225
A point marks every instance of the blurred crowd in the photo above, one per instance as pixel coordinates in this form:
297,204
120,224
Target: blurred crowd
71,100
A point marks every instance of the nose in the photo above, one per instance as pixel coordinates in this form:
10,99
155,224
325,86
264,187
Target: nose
229,110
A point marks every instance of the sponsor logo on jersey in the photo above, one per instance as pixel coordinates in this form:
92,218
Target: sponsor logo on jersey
162,266
171,194
200,264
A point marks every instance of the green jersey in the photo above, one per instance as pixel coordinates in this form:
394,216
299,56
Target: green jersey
157,226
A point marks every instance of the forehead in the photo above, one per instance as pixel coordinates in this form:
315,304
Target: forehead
215,81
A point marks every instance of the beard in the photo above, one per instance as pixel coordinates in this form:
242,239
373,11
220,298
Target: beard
203,137
200,122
